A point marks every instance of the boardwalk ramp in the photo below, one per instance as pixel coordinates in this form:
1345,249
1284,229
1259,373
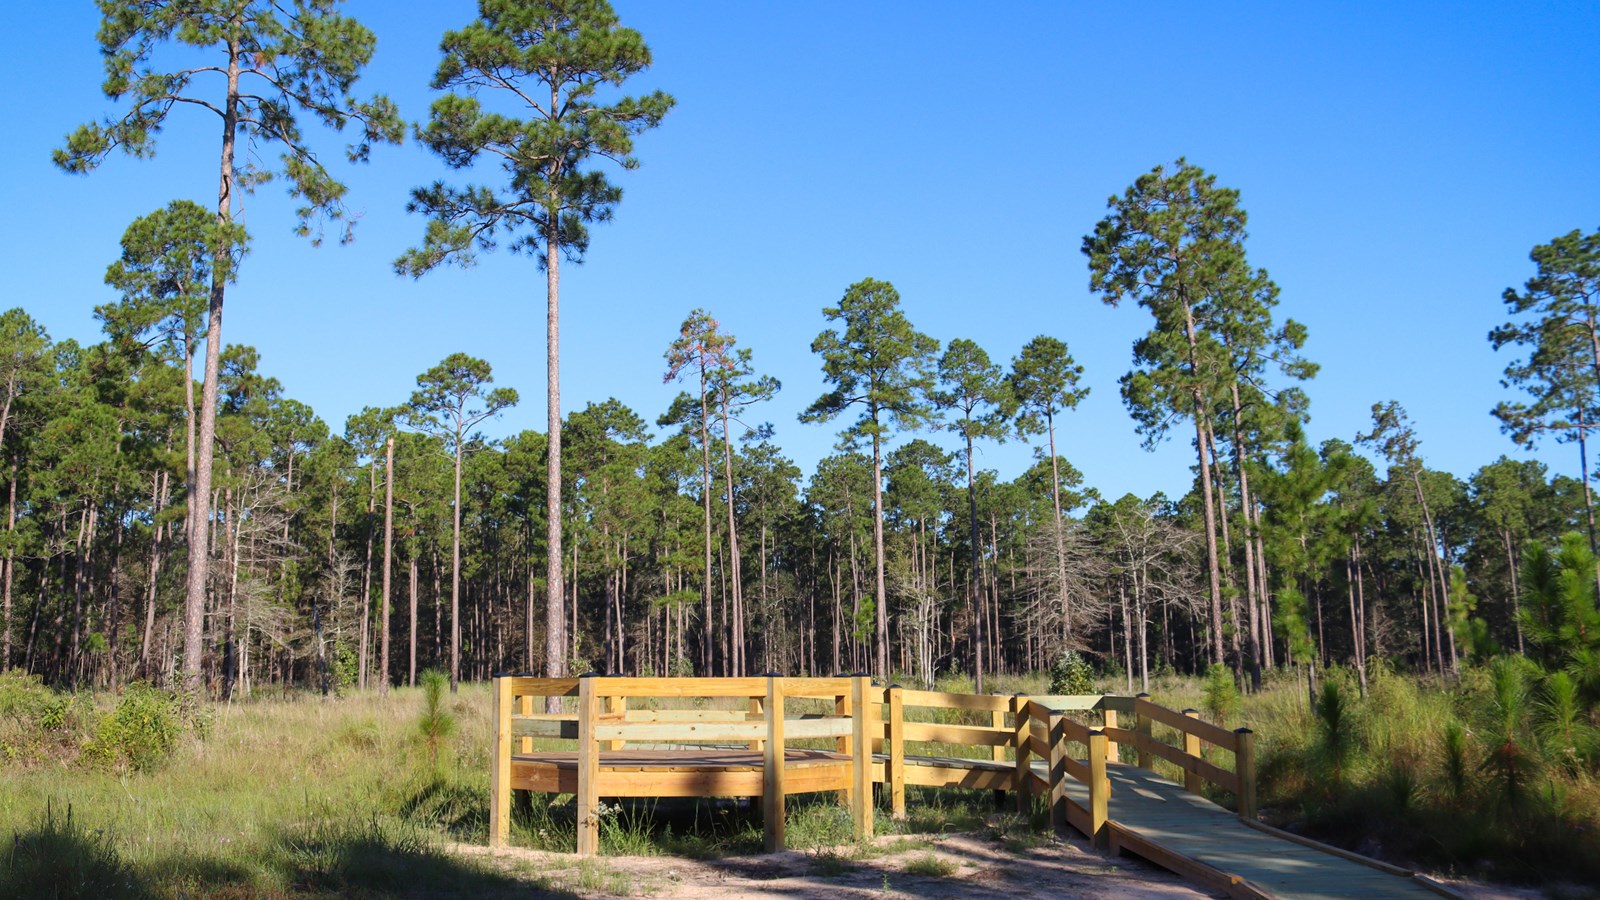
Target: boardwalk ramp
1160,821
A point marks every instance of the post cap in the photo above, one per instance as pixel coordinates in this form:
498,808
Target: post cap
591,674
1243,731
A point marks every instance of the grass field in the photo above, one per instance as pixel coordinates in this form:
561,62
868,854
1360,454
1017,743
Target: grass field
299,795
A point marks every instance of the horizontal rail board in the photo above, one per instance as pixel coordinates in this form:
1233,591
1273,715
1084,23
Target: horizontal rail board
941,700
680,687
690,715
971,735
1069,702
1077,769
1120,735
565,729
1038,746
1217,775
526,686
1200,728
682,731
816,688
816,728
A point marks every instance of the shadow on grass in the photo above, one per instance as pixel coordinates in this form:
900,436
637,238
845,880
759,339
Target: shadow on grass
378,858
59,858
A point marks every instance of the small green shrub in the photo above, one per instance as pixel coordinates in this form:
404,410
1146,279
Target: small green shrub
143,730
1070,673
436,723
1221,694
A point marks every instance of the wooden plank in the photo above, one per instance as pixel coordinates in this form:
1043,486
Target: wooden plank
1141,725
757,714
1120,735
534,727
967,735
816,688
616,707
1099,791
1200,728
861,756
1022,740
941,700
500,775
819,728
683,687
695,783
588,796
525,706
1108,724
1058,770
822,777
1244,764
1218,776
689,715
841,707
897,753
667,732
961,777
1329,849
772,773
523,686
1127,839
1069,702
1192,781
1117,703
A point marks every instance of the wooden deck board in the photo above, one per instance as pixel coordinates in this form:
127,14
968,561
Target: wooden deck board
1191,826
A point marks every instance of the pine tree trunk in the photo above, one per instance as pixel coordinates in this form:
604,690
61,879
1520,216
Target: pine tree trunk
388,561
555,638
200,486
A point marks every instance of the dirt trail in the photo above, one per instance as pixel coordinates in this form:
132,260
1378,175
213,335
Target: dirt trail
949,866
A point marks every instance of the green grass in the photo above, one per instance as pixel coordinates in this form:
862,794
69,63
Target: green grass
931,866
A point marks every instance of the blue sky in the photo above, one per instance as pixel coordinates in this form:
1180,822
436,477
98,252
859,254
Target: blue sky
1397,162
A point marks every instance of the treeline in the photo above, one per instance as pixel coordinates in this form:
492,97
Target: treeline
172,516
406,540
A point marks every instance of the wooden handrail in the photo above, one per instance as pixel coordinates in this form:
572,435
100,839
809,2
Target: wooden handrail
864,719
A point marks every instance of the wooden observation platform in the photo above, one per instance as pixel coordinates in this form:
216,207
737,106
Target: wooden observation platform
770,737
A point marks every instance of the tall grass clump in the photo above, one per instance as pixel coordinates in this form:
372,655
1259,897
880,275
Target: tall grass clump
59,858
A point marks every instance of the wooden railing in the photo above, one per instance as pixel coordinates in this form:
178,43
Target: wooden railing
1195,733
765,726
995,740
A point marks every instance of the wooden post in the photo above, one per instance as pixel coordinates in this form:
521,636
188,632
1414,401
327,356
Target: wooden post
1244,765
997,752
1109,720
841,707
617,706
588,767
1099,790
1058,771
772,811
1024,768
758,712
897,754
1141,727
500,782
1191,747
861,755
525,707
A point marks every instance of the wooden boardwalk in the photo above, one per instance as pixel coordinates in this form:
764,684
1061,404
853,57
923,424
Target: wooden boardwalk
1158,820
732,740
